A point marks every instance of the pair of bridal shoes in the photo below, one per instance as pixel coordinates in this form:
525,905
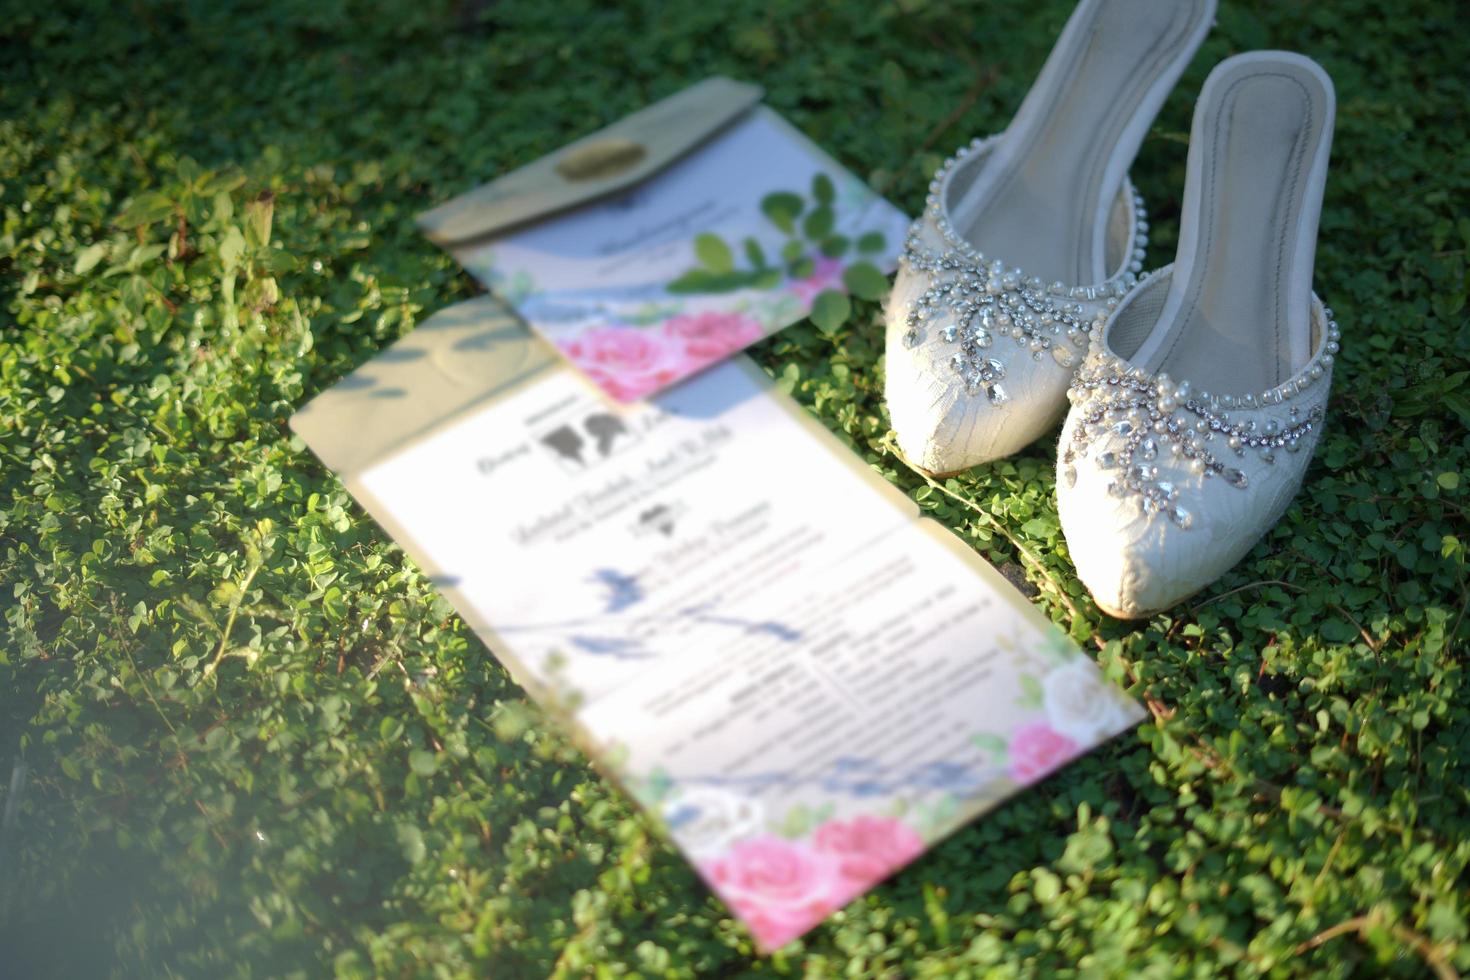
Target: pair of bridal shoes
1192,397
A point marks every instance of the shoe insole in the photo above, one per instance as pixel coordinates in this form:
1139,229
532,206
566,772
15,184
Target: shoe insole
1237,318
1041,198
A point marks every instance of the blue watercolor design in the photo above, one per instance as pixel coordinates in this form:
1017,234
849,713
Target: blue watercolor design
624,591
571,305
681,815
778,630
609,646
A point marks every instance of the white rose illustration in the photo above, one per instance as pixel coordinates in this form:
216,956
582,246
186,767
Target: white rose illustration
706,820
1083,706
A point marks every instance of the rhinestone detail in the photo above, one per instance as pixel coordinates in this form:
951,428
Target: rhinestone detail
1112,397
984,300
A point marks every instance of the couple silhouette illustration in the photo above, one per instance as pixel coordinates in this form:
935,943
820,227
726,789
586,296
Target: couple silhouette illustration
601,429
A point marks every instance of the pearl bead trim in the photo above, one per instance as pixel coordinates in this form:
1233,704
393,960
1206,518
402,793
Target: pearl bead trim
1114,398
983,297
1115,286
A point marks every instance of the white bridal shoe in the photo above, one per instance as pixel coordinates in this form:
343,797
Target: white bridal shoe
980,352
1197,409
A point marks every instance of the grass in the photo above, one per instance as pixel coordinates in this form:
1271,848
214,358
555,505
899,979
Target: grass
241,736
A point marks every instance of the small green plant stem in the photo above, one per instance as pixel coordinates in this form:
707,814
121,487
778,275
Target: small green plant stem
224,639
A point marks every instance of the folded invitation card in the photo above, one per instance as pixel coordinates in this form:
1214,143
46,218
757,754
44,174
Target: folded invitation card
734,236
761,640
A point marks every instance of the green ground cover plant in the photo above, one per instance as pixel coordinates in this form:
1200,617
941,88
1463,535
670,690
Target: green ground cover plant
240,735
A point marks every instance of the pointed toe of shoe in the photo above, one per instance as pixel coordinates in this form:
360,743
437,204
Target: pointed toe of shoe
1139,559
948,413
1147,526
1122,569
1121,555
1146,535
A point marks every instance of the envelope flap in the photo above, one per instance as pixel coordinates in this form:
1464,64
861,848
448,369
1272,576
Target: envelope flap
452,361
628,151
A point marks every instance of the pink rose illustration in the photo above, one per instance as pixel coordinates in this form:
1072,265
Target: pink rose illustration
868,848
628,363
780,888
713,334
826,274
1036,749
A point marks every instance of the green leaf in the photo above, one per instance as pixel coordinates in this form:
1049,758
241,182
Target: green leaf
140,256
423,762
755,253
1448,481
1087,849
258,217
822,189
713,253
223,208
787,379
146,208
871,242
993,744
830,310
411,842
134,293
797,822
782,208
274,261
1037,527
864,281
139,617
188,171
657,787
231,249
835,246
705,281
767,279
818,224
88,258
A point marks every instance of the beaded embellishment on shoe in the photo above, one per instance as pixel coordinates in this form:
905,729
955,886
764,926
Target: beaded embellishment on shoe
983,299
1155,415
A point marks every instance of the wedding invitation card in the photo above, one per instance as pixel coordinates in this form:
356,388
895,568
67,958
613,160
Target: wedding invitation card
640,288
803,679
